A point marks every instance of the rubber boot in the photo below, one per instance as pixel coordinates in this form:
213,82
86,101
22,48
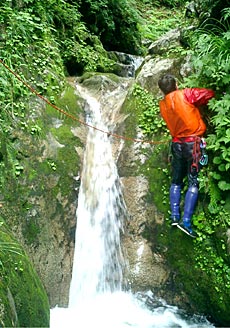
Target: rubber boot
175,196
189,207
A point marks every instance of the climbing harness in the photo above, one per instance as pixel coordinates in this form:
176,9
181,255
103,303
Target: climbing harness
75,118
196,155
204,155
199,155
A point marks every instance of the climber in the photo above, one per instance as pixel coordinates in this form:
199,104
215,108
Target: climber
180,111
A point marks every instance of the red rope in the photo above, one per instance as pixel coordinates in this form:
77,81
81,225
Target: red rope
72,116
196,154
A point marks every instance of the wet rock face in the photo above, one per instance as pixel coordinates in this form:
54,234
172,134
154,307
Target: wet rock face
151,72
53,251
146,269
125,65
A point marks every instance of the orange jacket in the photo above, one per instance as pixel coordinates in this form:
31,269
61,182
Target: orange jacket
179,111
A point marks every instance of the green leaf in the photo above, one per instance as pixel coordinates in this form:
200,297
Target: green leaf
223,185
216,176
216,160
226,35
221,167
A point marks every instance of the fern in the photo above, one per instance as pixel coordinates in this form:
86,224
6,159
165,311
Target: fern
211,61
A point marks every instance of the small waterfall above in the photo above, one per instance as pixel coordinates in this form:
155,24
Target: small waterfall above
98,296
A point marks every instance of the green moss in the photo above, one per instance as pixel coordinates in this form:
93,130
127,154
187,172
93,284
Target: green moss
32,175
31,231
67,161
203,291
64,161
131,108
156,168
67,102
89,75
24,302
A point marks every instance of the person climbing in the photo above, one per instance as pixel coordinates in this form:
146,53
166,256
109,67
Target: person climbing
180,111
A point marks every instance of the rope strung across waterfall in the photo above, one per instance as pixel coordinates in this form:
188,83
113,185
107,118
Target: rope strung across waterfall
72,116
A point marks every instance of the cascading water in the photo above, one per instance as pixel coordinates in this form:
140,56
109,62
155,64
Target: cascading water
96,296
98,260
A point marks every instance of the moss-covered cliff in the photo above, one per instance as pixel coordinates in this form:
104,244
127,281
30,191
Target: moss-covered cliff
24,302
39,199
198,279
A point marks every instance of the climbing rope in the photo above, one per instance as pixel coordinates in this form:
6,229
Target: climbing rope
196,154
72,116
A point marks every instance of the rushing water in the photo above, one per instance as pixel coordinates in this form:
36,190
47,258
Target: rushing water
98,259
97,298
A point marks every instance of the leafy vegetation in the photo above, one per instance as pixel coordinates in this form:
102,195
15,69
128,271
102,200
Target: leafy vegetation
150,120
211,64
45,40
115,22
158,20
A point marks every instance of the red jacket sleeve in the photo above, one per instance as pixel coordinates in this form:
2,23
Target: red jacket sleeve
198,96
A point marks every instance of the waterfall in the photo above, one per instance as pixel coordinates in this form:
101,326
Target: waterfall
97,296
98,260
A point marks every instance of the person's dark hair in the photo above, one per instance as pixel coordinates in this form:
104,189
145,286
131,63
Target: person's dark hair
167,83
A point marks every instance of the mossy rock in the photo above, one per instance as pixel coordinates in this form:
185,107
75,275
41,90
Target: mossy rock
23,299
205,294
